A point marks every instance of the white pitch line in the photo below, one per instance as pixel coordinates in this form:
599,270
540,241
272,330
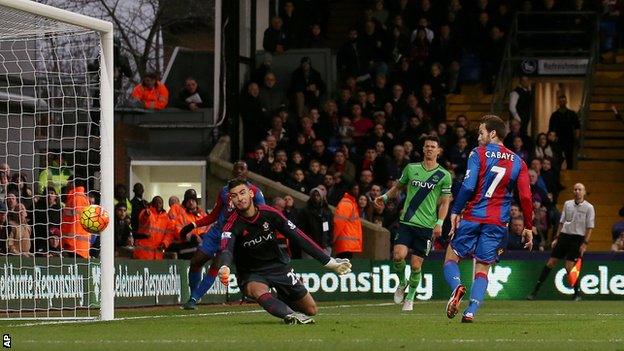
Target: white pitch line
227,313
224,313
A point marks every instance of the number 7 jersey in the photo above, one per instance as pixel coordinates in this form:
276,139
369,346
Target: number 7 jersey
487,191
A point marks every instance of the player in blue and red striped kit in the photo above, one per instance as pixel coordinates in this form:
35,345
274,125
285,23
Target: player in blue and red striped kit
485,198
211,240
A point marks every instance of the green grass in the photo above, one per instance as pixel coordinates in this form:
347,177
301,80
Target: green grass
369,325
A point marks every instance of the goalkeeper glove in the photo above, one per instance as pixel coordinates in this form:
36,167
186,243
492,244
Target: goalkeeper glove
186,229
339,265
224,275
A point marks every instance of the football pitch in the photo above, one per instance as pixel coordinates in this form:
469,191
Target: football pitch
362,325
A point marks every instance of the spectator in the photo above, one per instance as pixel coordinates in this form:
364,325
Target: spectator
542,148
316,220
433,108
4,182
347,225
20,232
258,163
277,173
56,174
253,115
121,195
123,231
397,164
565,123
156,231
491,58
4,229
536,165
291,24
320,153
271,96
343,166
352,57
618,228
261,71
307,85
138,204
47,219
551,178
188,212
313,175
514,237
275,38
514,132
540,224
151,94
191,97
618,244
315,38
298,181
521,104
365,208
458,157
75,239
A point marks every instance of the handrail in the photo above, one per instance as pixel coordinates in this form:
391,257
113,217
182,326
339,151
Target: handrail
588,83
514,54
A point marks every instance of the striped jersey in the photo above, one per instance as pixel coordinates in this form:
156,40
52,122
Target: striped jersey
492,174
424,188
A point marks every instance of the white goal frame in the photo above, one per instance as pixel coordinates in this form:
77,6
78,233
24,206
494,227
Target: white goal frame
105,29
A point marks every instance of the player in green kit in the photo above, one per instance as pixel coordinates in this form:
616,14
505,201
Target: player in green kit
428,184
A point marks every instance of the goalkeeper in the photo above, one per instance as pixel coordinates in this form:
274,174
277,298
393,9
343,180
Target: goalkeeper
249,240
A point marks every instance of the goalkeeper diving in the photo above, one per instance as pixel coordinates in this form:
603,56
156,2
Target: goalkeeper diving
249,240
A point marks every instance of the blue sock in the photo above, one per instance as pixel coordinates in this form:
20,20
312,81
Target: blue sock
451,274
477,293
194,278
204,286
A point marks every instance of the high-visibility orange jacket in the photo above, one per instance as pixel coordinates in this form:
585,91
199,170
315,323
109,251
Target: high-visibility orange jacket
182,217
347,226
156,98
155,233
74,237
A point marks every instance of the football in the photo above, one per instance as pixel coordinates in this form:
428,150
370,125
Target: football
94,218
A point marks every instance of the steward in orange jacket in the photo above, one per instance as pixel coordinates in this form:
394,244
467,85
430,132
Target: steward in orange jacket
155,232
75,238
188,212
347,226
152,94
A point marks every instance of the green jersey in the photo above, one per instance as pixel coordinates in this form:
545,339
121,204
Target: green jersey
424,188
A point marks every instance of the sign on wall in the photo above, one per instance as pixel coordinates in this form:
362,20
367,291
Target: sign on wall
562,66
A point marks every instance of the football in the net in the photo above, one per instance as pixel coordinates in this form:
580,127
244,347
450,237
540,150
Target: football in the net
94,218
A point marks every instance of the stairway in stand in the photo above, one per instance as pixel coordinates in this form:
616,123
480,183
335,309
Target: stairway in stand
601,167
472,102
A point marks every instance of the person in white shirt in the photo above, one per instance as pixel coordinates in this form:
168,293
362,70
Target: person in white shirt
572,237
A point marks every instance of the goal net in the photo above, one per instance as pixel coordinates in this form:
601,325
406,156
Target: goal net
55,155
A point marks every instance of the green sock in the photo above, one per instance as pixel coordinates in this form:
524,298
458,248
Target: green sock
399,268
414,280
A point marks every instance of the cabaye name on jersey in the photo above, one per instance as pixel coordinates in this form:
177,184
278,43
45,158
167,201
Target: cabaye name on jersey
501,155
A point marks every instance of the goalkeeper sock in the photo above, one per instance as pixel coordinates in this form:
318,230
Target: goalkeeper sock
194,278
477,293
414,280
274,306
451,274
399,268
205,284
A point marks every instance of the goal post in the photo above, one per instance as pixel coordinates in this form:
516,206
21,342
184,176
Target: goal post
48,31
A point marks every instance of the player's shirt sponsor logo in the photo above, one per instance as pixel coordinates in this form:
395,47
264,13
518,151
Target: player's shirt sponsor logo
419,184
260,239
500,155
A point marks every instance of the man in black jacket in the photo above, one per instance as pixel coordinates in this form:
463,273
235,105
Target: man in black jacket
316,219
307,85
